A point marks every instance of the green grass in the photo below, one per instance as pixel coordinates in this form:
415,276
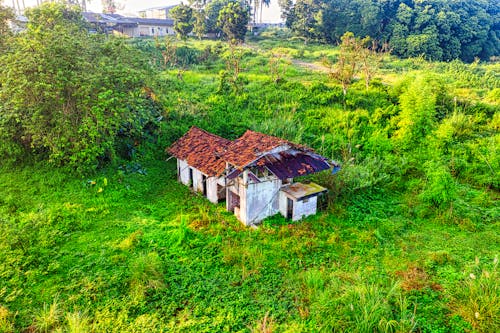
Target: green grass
135,252
123,251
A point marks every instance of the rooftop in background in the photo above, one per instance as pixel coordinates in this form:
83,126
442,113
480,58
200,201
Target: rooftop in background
162,12
271,14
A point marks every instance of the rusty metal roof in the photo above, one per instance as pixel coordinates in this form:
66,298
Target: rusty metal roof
293,163
202,150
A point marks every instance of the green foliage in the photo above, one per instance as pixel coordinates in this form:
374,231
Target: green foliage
129,249
68,96
477,299
305,18
439,190
233,21
439,30
417,116
6,14
183,20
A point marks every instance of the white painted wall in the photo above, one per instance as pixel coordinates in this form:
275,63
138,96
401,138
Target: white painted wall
197,180
302,208
282,203
154,30
212,193
183,172
259,200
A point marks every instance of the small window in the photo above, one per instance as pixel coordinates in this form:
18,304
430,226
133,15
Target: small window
306,200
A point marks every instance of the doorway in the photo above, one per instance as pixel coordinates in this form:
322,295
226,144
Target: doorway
204,185
191,180
289,208
233,200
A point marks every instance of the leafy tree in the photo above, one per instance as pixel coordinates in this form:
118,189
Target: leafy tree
212,10
183,20
67,95
348,60
199,26
305,18
437,29
233,21
6,14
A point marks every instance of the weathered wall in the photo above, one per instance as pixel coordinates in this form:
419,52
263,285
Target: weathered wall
212,193
183,172
283,203
302,208
260,200
197,180
154,30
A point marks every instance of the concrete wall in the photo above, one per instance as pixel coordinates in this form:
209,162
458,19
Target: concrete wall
282,203
197,184
301,208
183,172
258,200
212,192
304,208
154,30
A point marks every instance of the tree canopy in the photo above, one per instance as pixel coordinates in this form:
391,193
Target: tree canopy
183,20
438,29
67,96
233,21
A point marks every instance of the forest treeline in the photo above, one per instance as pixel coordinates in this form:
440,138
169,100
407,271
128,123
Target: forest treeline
437,29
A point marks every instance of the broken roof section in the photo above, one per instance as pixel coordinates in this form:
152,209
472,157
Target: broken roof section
251,146
202,150
293,163
283,158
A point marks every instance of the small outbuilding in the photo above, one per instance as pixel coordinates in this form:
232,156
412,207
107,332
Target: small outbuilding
253,173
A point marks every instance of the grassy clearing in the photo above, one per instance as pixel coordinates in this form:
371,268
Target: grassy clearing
138,252
404,244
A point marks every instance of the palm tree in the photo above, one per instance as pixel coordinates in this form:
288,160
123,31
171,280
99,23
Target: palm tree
263,2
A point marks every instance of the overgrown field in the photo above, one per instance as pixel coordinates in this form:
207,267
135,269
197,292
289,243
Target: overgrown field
409,240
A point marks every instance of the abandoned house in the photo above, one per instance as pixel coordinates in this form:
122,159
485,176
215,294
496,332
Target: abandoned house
253,174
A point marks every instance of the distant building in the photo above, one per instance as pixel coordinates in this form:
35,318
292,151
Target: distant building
157,12
130,26
18,24
253,173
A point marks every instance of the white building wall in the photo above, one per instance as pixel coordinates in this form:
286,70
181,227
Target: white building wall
304,208
212,193
197,180
155,30
131,32
183,172
283,204
259,201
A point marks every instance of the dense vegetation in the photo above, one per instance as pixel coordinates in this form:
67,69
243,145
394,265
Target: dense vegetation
408,240
438,29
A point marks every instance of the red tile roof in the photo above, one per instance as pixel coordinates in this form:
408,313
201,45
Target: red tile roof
209,153
250,146
202,150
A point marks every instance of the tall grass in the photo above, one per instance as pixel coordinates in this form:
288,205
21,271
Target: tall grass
477,298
